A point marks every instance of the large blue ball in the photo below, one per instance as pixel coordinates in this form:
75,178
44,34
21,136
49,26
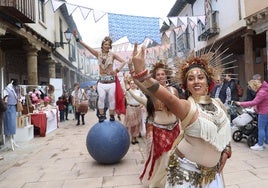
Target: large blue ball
108,142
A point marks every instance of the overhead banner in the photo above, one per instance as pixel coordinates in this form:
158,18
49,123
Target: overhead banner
136,28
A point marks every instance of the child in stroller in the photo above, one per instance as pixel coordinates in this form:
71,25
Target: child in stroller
247,124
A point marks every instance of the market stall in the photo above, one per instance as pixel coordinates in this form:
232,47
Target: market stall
37,113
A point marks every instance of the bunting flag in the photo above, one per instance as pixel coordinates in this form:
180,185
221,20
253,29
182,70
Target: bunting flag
71,9
136,28
56,5
165,20
184,20
85,12
174,20
98,15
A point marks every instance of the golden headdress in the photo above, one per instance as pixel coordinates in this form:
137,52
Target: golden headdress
211,63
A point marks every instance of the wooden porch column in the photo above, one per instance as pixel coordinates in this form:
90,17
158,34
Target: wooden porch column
249,58
32,70
51,68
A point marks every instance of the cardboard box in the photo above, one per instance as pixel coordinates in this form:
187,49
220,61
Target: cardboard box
23,120
24,133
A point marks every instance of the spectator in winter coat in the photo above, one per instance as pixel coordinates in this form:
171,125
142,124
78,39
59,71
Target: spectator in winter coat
252,88
261,103
251,92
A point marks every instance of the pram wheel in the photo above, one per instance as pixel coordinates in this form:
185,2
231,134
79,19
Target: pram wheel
237,136
252,140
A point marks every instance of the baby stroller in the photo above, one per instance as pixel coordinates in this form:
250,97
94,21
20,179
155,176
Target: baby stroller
247,124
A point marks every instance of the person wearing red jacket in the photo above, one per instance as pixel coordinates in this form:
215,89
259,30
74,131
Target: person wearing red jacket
261,104
61,106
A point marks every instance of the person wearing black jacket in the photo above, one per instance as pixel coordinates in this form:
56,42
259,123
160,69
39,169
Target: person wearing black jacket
222,91
234,96
232,85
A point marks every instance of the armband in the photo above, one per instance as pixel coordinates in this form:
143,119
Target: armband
154,87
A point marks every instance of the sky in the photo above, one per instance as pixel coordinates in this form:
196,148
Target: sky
93,33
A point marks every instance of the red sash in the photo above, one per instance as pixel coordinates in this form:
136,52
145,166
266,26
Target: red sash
120,107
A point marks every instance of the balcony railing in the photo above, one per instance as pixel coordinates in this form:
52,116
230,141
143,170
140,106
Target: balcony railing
21,10
211,28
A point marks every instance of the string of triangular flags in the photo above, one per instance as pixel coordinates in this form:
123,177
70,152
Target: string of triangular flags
179,22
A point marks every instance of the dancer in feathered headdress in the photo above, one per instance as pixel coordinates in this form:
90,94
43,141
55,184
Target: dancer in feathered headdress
200,152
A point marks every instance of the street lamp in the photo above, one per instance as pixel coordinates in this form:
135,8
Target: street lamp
68,36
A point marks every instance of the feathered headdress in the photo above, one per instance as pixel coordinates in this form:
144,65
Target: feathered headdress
212,63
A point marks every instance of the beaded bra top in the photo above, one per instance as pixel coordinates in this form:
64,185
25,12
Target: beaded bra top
212,124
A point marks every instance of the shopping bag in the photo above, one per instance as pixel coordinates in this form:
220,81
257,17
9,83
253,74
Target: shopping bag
19,106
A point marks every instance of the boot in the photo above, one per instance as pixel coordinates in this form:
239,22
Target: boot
101,118
112,118
83,119
78,119
112,112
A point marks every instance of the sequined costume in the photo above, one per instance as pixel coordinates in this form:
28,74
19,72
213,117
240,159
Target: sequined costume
164,134
213,127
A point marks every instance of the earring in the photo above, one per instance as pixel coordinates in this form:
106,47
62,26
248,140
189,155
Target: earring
206,90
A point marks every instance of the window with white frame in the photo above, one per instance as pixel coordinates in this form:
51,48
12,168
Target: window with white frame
41,11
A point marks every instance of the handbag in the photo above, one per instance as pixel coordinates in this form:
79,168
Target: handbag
19,106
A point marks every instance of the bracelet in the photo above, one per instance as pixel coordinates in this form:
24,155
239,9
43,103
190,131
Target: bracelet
77,40
141,74
228,151
146,77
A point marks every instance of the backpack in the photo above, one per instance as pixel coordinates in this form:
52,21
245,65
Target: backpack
240,90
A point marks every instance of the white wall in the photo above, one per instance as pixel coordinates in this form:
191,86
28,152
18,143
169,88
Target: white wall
231,17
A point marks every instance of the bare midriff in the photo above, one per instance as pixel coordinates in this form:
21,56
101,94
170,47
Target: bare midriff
199,151
107,71
162,117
